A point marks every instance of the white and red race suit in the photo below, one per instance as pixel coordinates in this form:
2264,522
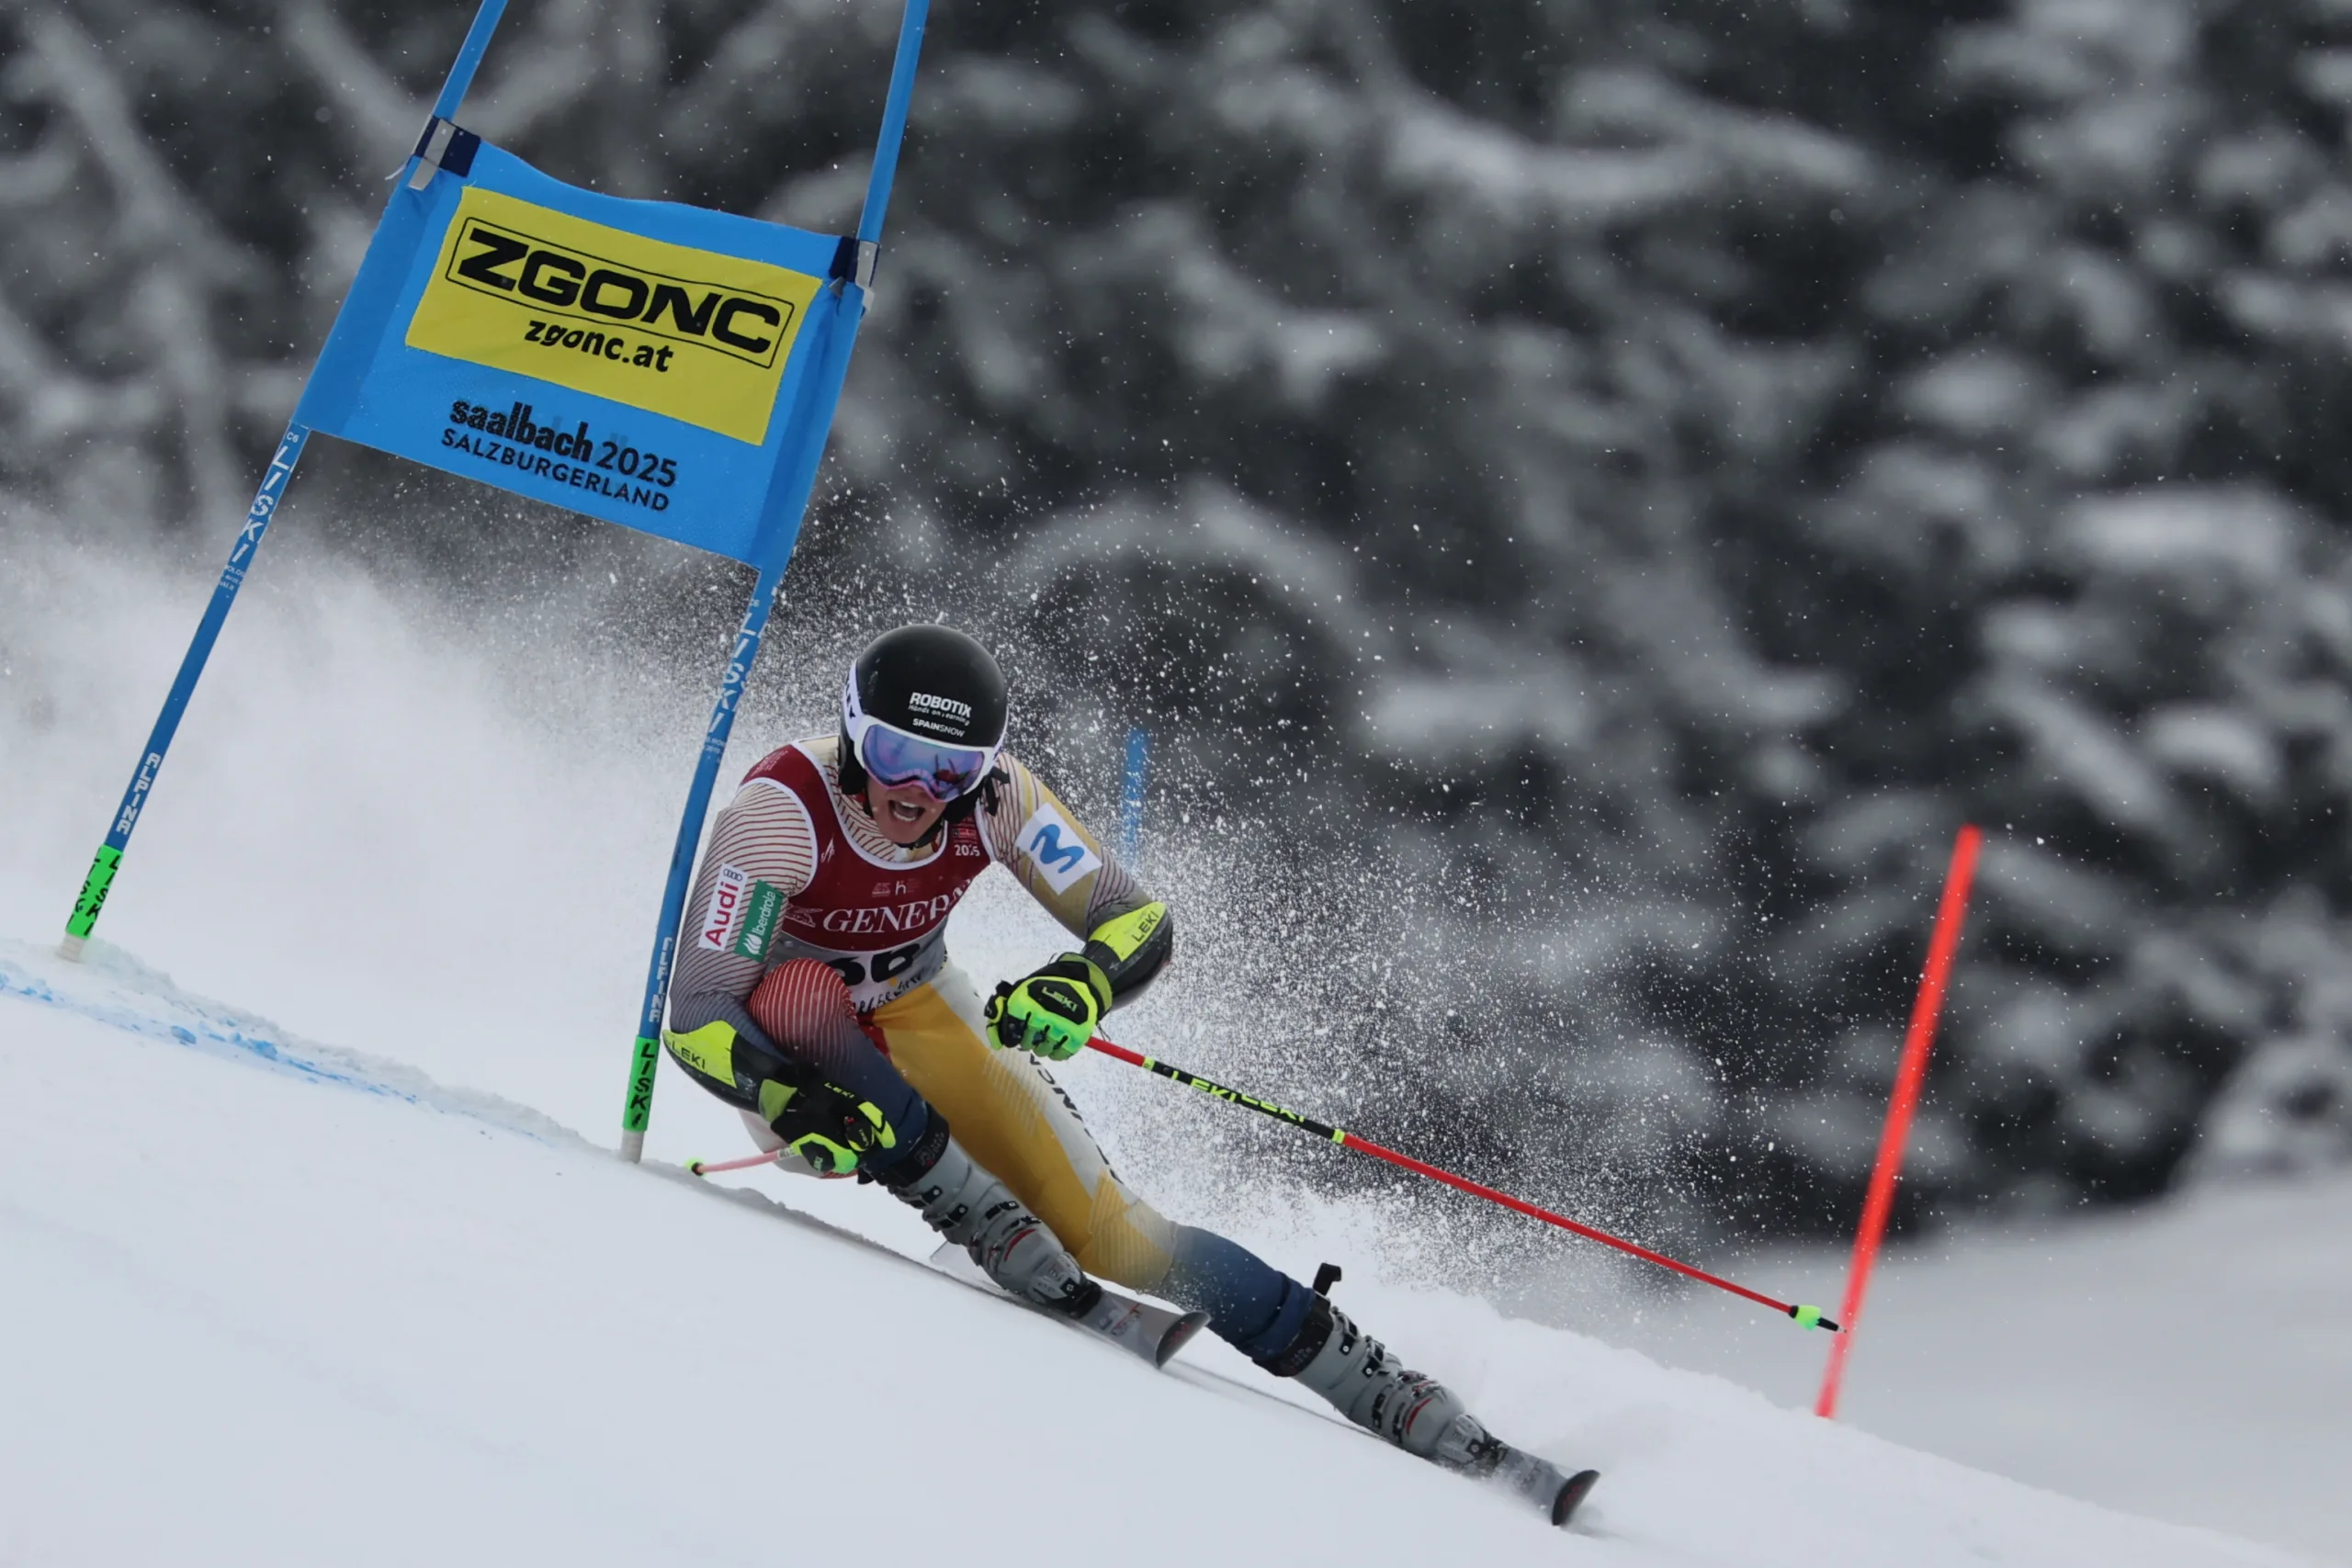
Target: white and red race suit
880,923
794,870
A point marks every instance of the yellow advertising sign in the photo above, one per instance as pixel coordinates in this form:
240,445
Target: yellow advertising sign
693,335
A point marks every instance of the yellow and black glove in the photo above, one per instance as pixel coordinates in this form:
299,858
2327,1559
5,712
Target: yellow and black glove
828,1126
836,1130
1053,1010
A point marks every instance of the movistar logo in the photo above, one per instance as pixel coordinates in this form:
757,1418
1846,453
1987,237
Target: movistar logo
569,282
1047,846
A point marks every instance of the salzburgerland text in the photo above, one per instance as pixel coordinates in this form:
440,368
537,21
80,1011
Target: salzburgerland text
512,439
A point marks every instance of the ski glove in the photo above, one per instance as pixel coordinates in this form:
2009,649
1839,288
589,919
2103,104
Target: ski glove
838,1130
829,1127
1053,1012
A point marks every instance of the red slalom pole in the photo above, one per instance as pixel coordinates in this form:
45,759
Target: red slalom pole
1908,1080
1805,1316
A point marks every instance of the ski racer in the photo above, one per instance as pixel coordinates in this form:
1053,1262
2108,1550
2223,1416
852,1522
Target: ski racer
815,993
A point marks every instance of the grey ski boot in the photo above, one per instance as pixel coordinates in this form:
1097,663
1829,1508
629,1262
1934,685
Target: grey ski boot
1378,1392
972,1209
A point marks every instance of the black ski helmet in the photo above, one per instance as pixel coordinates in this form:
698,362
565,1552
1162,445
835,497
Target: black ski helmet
930,681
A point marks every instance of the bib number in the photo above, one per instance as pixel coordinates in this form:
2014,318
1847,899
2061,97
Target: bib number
887,966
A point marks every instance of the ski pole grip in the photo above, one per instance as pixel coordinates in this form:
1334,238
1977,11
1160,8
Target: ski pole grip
1133,1058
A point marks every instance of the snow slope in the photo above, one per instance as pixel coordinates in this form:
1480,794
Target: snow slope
2191,1361
273,1302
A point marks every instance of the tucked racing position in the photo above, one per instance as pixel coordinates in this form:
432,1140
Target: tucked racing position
815,993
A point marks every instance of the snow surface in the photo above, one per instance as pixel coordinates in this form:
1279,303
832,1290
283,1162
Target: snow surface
2190,1361
289,1304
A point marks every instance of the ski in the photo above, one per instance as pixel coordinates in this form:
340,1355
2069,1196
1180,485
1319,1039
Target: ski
1154,1334
1529,1477
1540,1483
1569,1494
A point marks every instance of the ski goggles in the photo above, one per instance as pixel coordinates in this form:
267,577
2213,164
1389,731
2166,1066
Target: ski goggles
942,771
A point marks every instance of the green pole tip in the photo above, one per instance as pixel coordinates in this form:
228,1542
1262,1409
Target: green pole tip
1811,1317
693,1167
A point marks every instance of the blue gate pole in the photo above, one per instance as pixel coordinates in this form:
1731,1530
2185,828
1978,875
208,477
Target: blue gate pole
636,1111
103,867
207,631
470,53
894,122
1131,793
640,1108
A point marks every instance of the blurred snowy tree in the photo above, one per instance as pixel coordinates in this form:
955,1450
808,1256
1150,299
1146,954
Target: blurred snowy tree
1605,485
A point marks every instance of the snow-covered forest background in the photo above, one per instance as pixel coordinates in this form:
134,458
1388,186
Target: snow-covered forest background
1587,496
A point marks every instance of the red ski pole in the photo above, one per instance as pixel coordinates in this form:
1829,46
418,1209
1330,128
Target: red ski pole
710,1166
1806,1316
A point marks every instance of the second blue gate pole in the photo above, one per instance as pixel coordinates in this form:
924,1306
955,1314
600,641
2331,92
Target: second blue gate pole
639,1107
638,1111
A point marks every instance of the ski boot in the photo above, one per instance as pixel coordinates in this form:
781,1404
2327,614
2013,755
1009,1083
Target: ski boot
978,1213
1417,1413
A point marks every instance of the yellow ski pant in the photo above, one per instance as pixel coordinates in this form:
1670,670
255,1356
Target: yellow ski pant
1011,1116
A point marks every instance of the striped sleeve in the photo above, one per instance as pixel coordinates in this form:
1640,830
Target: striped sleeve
1058,859
764,835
